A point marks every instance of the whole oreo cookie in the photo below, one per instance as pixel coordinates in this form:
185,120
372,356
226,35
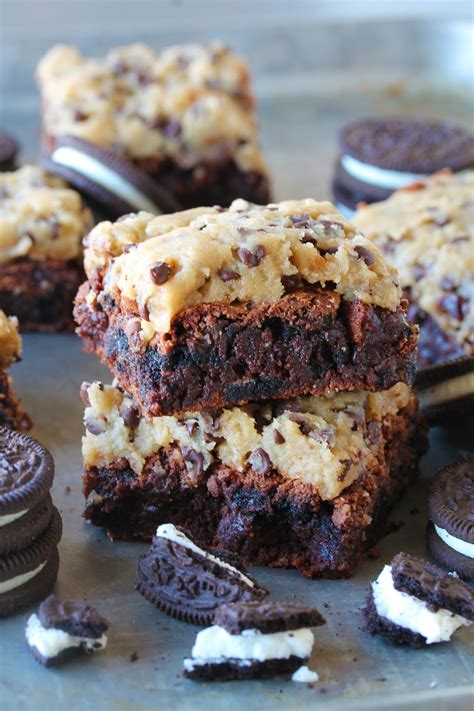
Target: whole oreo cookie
187,582
380,155
29,575
446,391
109,180
8,152
450,533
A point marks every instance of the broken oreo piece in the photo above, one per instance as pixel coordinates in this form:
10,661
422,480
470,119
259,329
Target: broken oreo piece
109,180
450,532
446,391
416,603
253,641
187,582
62,629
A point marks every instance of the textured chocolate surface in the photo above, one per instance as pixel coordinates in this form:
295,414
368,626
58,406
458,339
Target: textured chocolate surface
217,355
377,624
266,617
35,589
73,617
408,145
447,556
26,471
451,499
40,293
233,669
187,585
432,585
23,531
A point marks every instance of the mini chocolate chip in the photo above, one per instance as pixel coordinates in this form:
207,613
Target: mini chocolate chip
173,128
94,426
130,414
459,238
278,437
373,432
84,394
283,406
323,434
212,419
330,224
160,272
260,461
364,254
101,387
191,426
328,250
304,425
448,284
291,282
419,272
453,304
309,238
228,275
129,248
251,259
194,461
79,116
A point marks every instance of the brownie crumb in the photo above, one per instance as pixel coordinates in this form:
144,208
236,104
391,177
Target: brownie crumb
134,656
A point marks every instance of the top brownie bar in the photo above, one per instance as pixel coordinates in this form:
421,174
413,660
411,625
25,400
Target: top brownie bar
184,115
214,307
427,232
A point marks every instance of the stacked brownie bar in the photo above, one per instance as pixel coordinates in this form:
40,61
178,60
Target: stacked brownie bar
42,223
263,360
184,116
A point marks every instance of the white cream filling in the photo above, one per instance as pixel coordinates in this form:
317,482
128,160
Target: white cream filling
413,614
456,544
380,177
51,642
171,533
215,642
9,518
447,390
13,583
104,176
305,675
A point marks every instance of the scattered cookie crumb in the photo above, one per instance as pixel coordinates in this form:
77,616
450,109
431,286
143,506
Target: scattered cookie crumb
374,553
134,656
305,675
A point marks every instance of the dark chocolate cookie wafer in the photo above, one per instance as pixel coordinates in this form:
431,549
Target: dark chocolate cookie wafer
266,617
396,634
29,575
188,582
22,531
240,670
109,180
73,617
446,391
450,534
8,152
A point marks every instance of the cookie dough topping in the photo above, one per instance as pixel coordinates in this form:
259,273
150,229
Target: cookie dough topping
190,102
244,253
40,217
10,341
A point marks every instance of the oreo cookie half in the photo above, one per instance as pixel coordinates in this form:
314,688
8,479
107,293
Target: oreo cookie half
416,603
62,629
8,152
450,533
187,582
253,640
29,575
107,179
380,155
446,391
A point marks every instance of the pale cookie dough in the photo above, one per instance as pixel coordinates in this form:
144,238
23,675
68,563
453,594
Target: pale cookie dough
10,341
327,442
244,253
40,217
426,231
190,102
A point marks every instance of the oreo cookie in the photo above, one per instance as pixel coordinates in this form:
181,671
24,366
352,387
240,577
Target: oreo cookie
446,391
450,531
380,155
26,476
416,603
30,574
63,629
189,583
8,152
253,641
112,182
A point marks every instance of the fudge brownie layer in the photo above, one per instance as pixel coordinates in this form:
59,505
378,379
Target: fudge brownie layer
185,116
313,494
214,307
41,226
11,414
426,231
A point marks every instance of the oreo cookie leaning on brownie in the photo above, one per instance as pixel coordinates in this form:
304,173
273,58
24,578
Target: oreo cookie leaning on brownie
62,629
188,582
450,531
253,640
416,603
446,391
380,155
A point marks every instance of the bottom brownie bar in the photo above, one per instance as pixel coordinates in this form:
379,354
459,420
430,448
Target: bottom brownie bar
11,414
304,483
40,293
